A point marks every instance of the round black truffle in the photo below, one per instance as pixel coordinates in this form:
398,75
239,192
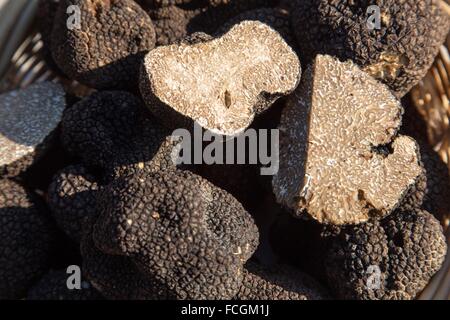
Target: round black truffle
106,48
399,52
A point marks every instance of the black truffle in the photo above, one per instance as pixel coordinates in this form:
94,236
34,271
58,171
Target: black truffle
112,130
186,235
53,286
279,282
106,49
71,198
27,239
389,259
174,21
399,53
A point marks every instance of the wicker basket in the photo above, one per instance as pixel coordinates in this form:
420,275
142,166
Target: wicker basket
22,63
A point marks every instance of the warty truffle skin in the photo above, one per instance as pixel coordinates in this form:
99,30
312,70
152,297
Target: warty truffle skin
399,53
107,50
278,282
113,131
29,122
53,286
186,234
407,247
173,22
226,81
330,133
27,239
72,197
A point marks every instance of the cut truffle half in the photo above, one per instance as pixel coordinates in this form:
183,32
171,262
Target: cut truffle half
221,83
106,49
340,158
28,120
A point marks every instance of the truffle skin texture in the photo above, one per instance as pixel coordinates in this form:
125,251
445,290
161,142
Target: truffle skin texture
399,53
331,133
171,23
175,21
437,194
29,119
71,198
117,277
407,247
53,286
107,50
225,81
278,283
26,240
114,131
179,230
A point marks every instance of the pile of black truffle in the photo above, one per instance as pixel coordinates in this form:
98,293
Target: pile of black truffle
352,213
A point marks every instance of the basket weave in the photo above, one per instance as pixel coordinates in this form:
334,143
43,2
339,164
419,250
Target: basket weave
22,63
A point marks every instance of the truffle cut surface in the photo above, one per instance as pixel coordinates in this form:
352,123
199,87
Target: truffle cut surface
221,83
27,118
333,134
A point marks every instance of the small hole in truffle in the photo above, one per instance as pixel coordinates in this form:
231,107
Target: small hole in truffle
227,98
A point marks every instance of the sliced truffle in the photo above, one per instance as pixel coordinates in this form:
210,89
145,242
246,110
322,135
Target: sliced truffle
26,240
29,119
277,18
398,52
53,286
279,282
106,50
178,229
71,198
222,83
389,259
340,158
114,131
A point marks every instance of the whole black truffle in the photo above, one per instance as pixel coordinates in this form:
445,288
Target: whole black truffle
174,20
186,235
26,239
399,52
389,259
107,47
71,198
112,130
